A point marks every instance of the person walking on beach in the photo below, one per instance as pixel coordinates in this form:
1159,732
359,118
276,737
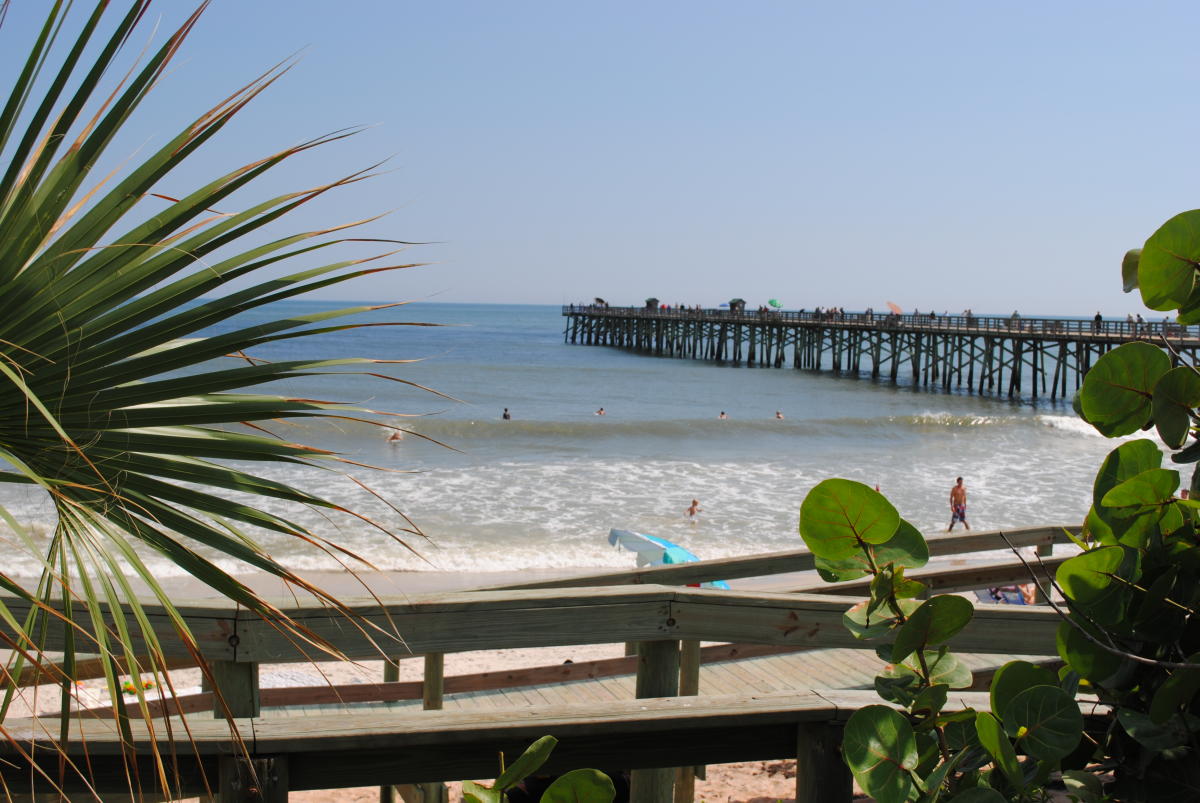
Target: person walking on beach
958,505
693,510
506,415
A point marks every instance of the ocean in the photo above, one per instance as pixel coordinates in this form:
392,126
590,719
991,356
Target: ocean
542,490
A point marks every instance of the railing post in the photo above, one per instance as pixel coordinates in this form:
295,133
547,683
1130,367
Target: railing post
238,687
689,686
821,774
657,676
391,674
259,780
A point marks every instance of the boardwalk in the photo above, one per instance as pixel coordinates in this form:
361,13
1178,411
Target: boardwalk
994,355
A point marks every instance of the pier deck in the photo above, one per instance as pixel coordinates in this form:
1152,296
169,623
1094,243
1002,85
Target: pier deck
982,354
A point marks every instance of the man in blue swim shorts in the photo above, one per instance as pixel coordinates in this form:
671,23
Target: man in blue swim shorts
958,505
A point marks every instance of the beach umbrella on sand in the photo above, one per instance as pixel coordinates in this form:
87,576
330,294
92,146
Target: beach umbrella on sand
654,551
895,308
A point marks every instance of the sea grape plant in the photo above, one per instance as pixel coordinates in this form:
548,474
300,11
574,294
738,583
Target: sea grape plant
915,749
1129,635
576,786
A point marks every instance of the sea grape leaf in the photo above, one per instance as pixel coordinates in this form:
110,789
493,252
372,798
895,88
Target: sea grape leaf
581,786
1083,785
838,515
867,627
935,622
880,748
906,548
534,756
1154,486
478,793
944,667
1045,721
1159,737
899,690
1087,658
1175,396
1013,678
1129,269
1088,581
1126,461
995,741
1168,262
1178,690
931,700
1097,529
1117,393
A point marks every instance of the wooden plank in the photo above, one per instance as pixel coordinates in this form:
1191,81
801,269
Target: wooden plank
237,687
939,579
799,560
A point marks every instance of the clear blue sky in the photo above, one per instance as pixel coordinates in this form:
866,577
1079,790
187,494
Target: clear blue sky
989,155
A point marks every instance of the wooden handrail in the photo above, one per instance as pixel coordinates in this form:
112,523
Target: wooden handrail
798,560
1074,328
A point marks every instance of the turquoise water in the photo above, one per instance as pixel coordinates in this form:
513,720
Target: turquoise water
543,489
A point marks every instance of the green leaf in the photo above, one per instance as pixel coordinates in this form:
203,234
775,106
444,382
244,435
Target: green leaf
907,548
1013,678
1127,460
581,786
534,756
1087,658
1117,393
930,701
933,623
1162,737
1045,721
1176,692
1083,785
880,748
1154,486
868,627
995,742
1167,265
978,794
1176,395
478,793
944,668
838,516
1088,581
1129,269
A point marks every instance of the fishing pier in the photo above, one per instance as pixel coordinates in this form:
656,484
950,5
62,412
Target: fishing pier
986,355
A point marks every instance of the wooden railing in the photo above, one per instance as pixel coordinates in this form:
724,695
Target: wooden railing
1071,328
644,606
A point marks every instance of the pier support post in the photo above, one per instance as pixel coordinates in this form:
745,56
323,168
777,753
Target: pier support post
657,676
821,774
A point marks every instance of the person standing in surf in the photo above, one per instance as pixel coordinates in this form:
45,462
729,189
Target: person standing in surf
958,505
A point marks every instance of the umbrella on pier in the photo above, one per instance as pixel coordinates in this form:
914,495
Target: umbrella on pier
599,301
895,308
774,302
654,551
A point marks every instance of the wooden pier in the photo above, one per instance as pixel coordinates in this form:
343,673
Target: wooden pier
987,355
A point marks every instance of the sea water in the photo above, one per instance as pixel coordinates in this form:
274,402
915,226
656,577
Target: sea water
543,489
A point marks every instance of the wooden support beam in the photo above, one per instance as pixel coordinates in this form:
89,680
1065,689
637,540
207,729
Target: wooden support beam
821,774
256,780
657,676
237,684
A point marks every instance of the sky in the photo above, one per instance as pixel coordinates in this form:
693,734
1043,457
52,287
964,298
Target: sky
984,155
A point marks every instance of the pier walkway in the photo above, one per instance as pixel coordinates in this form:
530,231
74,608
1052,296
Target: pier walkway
983,354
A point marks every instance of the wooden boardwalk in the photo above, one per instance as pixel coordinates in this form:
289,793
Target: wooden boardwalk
994,355
769,674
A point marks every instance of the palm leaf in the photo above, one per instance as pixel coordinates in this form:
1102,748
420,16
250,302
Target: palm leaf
114,402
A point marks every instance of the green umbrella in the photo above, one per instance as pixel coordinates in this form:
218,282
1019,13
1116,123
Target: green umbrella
775,303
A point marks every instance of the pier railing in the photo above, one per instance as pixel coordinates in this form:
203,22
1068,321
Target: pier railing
1121,329
337,749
